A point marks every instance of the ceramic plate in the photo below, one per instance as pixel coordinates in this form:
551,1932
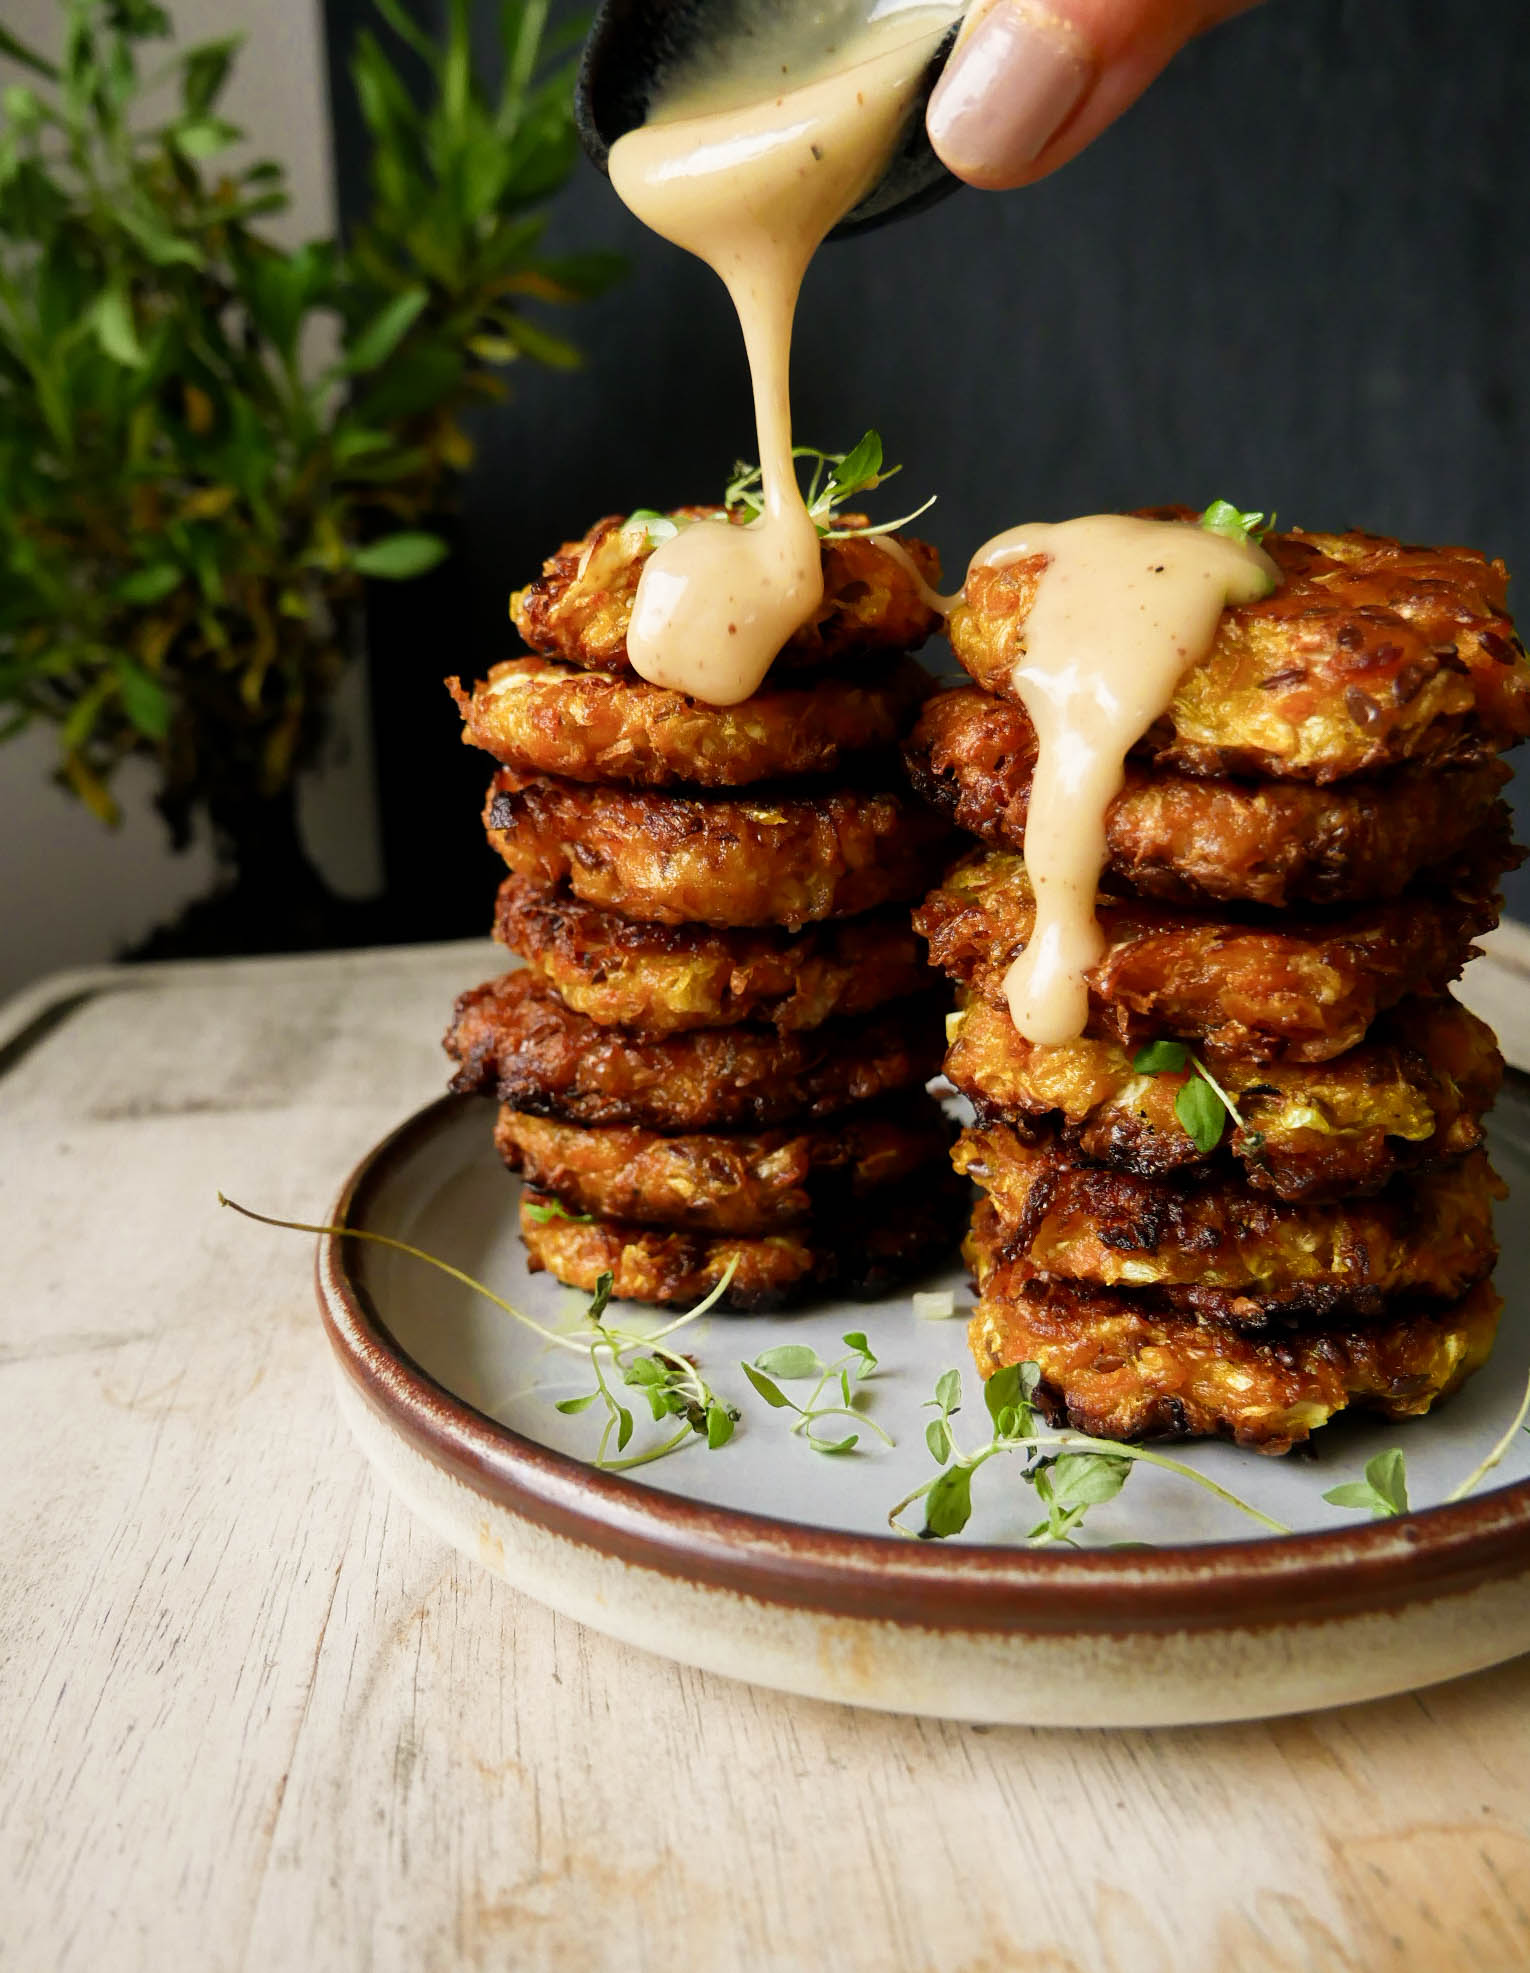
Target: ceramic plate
766,1561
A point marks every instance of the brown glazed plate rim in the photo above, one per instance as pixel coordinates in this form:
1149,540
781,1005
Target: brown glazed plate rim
1284,1580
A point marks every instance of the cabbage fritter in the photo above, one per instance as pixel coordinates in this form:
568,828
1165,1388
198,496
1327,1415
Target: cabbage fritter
1116,1367
1174,835
1410,1097
903,1232
1368,653
1292,988
668,979
516,1040
748,1183
784,859
546,718
1206,1242
581,604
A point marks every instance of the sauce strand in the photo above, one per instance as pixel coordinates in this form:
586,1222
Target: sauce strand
753,190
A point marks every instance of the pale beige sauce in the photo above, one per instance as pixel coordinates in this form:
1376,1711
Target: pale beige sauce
1122,609
753,190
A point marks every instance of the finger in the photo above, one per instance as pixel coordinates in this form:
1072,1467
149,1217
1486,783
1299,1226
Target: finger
1032,82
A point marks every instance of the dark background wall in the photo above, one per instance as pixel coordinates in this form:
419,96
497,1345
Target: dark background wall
1296,276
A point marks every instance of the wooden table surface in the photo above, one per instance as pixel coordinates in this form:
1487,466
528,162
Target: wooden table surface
253,1716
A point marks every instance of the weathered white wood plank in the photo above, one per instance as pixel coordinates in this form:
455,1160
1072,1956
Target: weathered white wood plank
253,1717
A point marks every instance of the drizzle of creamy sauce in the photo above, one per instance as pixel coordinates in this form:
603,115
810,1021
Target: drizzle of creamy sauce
1122,609
752,189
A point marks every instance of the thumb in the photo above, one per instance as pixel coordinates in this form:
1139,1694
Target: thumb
1031,82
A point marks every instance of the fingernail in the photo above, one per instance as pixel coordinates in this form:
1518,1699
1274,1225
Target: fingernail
1006,90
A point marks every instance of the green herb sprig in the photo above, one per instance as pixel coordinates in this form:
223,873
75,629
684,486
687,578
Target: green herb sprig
542,1212
836,478
1222,517
796,1362
1383,1491
671,1382
1202,1105
1073,1473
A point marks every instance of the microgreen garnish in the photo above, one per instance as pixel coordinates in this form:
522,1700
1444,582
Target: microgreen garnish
1201,1103
794,1363
836,477
1222,517
1384,1490
656,527
540,1213
672,1384
1074,1474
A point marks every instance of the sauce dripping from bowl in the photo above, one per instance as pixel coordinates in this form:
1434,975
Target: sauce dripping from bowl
752,187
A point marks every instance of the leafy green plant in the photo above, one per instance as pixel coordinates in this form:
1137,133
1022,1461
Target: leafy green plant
192,493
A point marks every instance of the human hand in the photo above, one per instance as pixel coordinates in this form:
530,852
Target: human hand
1031,82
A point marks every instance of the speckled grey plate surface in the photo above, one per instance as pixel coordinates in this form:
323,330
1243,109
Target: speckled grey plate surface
766,1561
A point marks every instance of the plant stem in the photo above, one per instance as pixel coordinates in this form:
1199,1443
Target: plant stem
1479,1472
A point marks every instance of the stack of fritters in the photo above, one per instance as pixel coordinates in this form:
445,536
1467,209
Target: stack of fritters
1301,856
718,1048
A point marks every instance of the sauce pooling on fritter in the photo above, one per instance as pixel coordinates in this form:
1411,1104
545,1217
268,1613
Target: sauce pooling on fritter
752,187
1123,608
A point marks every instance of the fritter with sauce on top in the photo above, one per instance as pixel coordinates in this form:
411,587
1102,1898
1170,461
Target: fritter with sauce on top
580,606
1369,653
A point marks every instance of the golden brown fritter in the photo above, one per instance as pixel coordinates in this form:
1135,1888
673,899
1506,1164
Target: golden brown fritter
546,718
1172,835
784,859
668,979
1410,1097
1290,988
1368,653
1117,1368
748,1183
516,1040
1205,1241
908,1229
581,604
